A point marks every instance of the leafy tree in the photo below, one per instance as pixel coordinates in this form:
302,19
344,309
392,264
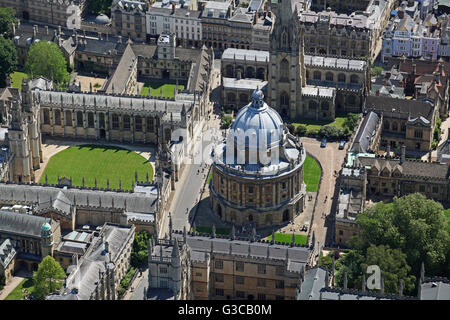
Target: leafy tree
48,278
99,6
8,59
331,132
301,130
139,254
225,122
46,59
415,225
351,121
7,18
376,71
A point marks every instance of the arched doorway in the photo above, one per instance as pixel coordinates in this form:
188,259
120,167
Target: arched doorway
286,215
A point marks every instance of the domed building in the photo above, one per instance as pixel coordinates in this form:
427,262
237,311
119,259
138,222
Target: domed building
257,173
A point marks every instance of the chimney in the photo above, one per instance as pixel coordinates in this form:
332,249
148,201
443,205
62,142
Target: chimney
36,26
46,30
256,18
174,6
403,156
34,31
414,68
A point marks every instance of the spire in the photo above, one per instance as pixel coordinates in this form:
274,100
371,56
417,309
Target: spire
175,252
233,232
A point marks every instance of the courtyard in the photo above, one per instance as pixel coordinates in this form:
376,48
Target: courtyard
99,162
153,89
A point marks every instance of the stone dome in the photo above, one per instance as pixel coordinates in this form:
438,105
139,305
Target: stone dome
102,19
256,118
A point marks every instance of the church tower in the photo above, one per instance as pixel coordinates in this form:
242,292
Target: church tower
47,240
286,70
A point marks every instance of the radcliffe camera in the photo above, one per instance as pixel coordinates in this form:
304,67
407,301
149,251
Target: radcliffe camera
218,152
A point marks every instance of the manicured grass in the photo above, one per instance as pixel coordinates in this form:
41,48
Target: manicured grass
101,162
222,231
315,125
16,79
311,174
209,177
17,293
155,89
284,237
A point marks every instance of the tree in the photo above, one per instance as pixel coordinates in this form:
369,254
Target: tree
48,278
99,6
139,253
7,19
331,132
415,225
351,121
46,59
301,130
8,59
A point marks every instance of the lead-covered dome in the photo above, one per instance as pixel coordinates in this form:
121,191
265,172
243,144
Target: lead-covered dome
258,119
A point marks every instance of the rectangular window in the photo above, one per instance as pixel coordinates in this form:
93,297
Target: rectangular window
261,268
138,124
79,119
261,296
219,277
90,119
239,280
68,118
240,266
219,292
150,124
115,121
126,122
261,283
218,264
163,269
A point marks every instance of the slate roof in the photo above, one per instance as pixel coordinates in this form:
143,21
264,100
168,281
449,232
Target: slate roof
366,132
130,202
338,63
435,290
122,73
313,282
21,223
403,107
410,168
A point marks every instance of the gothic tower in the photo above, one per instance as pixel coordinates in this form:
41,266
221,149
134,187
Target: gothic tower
286,69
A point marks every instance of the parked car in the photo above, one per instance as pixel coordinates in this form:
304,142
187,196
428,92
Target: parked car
341,145
323,144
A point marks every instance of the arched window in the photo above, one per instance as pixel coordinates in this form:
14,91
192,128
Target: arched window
341,77
115,122
260,74
68,118
229,71
284,99
312,105
46,116
250,72
354,78
90,119
284,70
394,126
243,98
317,75
150,124
138,123
231,97
126,122
57,117
329,76
79,119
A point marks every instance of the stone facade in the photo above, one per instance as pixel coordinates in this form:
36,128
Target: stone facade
128,19
221,268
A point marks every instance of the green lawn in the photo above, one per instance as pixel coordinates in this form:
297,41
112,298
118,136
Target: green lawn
222,231
17,293
315,125
101,162
209,177
311,174
155,88
16,79
283,237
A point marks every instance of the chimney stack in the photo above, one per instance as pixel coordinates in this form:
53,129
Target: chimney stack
174,6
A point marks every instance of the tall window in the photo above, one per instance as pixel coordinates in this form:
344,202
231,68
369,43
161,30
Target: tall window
284,99
240,266
68,118
261,268
418,133
284,70
91,119
58,117
79,119
115,122
218,264
46,116
126,122
150,124
138,123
